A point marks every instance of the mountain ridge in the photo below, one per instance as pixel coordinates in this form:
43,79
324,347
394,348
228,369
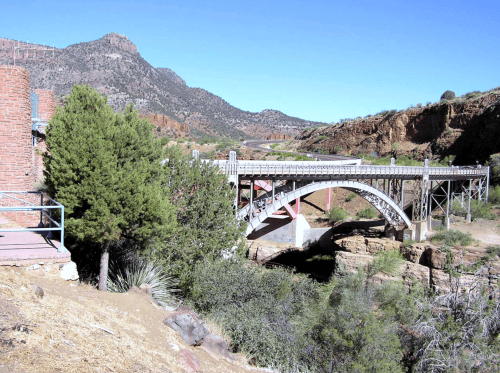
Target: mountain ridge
113,66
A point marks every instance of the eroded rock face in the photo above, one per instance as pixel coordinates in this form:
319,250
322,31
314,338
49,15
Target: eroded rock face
262,252
362,245
413,253
374,245
347,262
412,272
466,128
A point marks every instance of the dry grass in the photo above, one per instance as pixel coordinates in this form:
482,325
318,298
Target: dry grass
66,330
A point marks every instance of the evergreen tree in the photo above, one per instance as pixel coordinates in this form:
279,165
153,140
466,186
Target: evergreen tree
105,169
207,226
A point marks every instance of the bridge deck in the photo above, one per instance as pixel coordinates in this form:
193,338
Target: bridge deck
332,170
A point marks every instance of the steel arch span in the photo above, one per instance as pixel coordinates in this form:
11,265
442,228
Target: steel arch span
381,201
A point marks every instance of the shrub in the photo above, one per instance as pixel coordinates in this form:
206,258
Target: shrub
494,196
258,308
274,146
139,271
409,242
164,140
387,262
492,252
349,335
458,330
301,157
478,209
351,197
337,214
448,95
453,237
321,138
395,146
494,163
367,213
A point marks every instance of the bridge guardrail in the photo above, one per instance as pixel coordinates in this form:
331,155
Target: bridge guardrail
305,168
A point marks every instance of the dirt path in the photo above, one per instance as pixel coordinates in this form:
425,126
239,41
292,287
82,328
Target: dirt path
486,231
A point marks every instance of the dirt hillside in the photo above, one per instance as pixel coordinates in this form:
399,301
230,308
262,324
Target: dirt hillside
75,328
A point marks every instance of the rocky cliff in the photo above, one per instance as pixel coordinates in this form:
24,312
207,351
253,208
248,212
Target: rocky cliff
467,127
114,67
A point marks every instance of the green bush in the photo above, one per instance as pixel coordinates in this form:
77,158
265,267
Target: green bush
321,138
367,213
164,140
337,214
387,262
349,334
492,253
301,157
494,196
478,209
453,237
258,308
395,146
407,243
274,146
351,196
494,163
448,95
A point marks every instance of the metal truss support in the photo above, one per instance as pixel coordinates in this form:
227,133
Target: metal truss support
421,199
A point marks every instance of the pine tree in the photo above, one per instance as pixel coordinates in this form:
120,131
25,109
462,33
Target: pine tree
207,226
105,169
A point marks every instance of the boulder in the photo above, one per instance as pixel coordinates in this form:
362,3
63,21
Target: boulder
216,347
362,245
69,272
188,325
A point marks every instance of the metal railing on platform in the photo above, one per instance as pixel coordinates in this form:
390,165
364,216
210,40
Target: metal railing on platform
17,201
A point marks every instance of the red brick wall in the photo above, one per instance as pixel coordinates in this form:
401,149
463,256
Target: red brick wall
16,150
46,104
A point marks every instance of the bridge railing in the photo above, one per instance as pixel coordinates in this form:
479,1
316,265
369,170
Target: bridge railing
333,168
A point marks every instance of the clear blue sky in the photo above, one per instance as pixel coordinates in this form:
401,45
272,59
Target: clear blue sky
317,60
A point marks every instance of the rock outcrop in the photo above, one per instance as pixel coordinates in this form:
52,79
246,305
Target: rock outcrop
466,127
425,263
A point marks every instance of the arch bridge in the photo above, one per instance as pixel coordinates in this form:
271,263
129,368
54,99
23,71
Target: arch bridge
390,189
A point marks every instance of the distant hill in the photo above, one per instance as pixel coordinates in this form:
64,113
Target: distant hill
114,67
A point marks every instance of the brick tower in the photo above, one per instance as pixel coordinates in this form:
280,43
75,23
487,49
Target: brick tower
16,147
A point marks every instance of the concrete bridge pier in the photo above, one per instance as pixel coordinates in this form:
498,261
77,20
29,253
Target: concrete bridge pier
282,229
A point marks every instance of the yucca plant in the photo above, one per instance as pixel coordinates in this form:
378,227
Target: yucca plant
139,271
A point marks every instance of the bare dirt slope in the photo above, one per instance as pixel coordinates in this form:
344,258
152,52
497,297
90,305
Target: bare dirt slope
64,330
